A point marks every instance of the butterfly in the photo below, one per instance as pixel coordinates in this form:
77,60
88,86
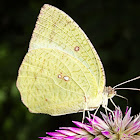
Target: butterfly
61,72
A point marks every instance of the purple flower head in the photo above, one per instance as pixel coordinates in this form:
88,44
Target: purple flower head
112,127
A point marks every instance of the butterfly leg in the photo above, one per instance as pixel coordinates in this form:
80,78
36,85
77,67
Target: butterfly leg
95,114
88,114
96,110
83,116
113,103
106,108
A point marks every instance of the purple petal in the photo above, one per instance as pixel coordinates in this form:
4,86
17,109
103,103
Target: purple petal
106,119
75,130
79,124
94,123
84,138
132,130
90,121
126,109
54,134
70,138
118,117
136,137
99,137
46,138
91,130
126,119
100,122
66,132
107,134
136,121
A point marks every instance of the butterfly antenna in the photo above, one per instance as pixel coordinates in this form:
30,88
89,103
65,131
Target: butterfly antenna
128,89
126,82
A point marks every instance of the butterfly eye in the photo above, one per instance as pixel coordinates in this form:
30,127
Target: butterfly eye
77,48
66,78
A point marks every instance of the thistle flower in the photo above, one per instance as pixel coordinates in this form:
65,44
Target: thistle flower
112,127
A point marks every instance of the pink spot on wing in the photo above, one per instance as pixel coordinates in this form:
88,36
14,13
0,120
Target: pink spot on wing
60,75
66,78
77,48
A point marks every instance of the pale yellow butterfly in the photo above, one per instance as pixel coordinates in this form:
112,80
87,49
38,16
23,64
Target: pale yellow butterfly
62,72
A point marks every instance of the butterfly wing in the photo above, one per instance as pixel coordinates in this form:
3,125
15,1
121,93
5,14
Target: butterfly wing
61,73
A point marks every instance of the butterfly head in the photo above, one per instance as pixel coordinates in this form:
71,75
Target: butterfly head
108,93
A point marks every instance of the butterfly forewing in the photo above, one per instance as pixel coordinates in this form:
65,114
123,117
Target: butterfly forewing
55,29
